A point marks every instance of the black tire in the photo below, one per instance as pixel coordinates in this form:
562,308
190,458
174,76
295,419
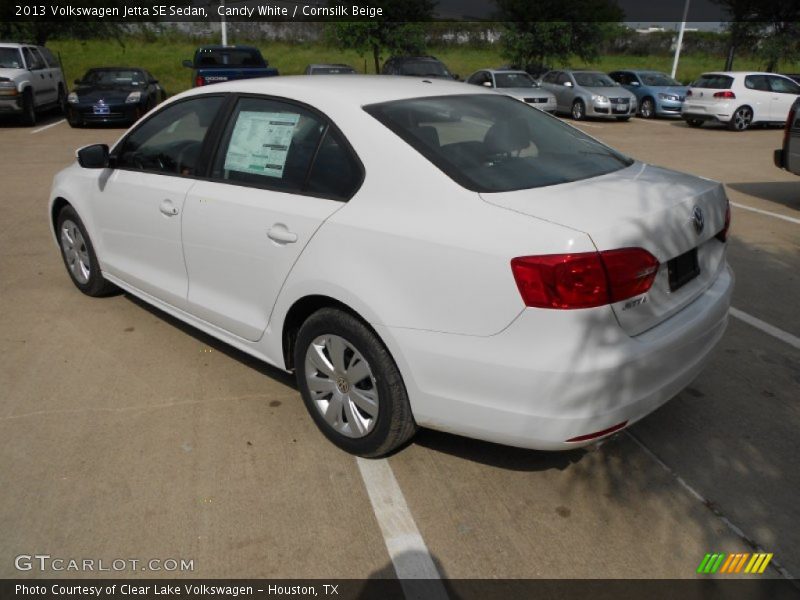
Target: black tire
74,121
96,285
28,116
694,122
394,424
742,119
647,110
578,110
623,119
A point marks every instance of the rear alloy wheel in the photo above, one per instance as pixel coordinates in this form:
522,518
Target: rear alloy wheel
28,109
351,386
578,110
741,119
648,108
79,257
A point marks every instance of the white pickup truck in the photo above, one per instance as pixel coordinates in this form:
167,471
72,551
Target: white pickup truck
31,81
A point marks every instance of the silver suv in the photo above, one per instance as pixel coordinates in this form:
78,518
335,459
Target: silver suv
31,81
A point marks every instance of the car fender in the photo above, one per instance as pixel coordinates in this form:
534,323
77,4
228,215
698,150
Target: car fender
73,185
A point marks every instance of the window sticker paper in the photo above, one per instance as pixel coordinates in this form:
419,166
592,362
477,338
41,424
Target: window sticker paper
260,143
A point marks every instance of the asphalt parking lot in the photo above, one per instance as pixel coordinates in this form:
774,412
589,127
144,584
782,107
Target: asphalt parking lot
125,434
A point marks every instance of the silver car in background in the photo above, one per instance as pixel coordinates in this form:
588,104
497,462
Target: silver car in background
517,84
589,94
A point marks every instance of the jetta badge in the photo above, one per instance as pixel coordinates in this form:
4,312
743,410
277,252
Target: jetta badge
698,220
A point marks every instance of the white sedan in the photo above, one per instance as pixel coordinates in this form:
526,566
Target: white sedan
419,253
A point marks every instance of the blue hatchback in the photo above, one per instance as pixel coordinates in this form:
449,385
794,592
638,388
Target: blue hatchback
657,93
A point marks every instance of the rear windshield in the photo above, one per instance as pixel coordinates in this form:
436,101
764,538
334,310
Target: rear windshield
10,58
593,79
514,80
235,57
423,68
714,82
493,143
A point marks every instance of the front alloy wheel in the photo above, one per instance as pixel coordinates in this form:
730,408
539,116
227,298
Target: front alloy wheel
578,110
76,253
648,109
742,119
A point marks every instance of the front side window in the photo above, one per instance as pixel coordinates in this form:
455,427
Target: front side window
562,78
783,85
492,143
49,58
10,58
170,142
233,57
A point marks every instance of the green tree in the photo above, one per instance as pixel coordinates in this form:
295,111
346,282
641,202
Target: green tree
541,30
399,30
770,29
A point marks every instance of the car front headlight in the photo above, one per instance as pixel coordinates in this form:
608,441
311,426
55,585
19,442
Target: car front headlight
672,97
72,98
8,88
601,99
133,97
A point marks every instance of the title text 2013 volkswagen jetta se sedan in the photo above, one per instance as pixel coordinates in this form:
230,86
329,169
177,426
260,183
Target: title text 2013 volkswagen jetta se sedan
420,253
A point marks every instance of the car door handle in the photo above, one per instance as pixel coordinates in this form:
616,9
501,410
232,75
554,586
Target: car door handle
280,234
168,208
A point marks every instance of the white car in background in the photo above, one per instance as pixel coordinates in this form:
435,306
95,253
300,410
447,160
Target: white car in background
418,252
31,81
739,99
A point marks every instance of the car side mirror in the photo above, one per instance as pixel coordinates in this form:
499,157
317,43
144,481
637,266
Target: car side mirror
487,84
95,156
188,64
457,77
567,84
635,83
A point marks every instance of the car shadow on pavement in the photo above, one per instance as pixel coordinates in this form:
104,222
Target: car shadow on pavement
782,192
219,346
496,455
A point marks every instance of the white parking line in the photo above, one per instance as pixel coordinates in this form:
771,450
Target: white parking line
48,126
780,334
410,556
766,212
699,497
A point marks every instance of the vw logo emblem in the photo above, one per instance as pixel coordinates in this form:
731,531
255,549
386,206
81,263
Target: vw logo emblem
698,220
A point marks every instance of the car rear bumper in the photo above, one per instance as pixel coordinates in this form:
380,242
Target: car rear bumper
707,112
552,376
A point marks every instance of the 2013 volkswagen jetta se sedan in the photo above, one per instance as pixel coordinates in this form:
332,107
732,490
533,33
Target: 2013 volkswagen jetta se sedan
418,252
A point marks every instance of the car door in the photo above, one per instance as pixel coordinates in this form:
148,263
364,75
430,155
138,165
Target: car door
758,95
281,170
138,204
564,93
784,93
44,88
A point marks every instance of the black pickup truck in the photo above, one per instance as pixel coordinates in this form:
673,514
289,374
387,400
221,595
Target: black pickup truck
214,64
788,157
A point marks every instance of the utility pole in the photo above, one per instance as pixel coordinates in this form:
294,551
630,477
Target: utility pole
224,26
680,40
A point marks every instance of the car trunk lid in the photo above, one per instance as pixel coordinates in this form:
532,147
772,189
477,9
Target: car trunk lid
646,207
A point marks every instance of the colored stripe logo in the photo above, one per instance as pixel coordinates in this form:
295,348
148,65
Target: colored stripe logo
719,562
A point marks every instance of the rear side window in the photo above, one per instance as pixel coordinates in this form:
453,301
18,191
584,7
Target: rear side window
234,57
714,82
782,85
282,146
51,60
757,82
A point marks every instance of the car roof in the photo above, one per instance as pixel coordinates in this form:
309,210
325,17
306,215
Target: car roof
401,58
115,69
13,45
504,71
221,47
315,65
355,90
734,73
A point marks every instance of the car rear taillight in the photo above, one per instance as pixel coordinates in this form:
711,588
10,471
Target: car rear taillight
583,280
722,236
726,94
198,81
